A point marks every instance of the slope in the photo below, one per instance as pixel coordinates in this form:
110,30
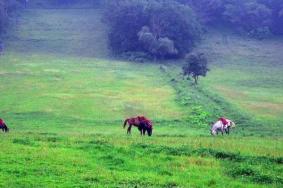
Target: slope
72,32
66,109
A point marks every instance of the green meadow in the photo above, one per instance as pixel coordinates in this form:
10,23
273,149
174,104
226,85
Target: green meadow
65,101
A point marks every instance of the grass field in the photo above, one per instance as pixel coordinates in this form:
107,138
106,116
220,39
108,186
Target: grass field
66,109
248,73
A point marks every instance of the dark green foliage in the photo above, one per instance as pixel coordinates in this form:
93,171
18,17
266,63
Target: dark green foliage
125,21
8,8
277,14
196,66
253,17
162,29
257,18
209,11
175,25
157,47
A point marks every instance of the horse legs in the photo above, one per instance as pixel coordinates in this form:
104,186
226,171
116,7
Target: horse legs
222,130
129,129
143,131
228,130
140,129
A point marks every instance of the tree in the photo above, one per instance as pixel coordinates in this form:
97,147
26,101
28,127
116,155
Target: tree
255,18
158,47
163,29
208,11
196,66
125,19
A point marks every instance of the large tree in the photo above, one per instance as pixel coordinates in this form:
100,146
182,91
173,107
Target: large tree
258,18
253,17
159,28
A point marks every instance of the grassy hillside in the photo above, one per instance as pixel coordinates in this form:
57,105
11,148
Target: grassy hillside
70,32
247,73
65,110
83,89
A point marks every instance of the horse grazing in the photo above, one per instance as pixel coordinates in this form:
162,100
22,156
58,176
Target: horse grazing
3,126
222,125
141,122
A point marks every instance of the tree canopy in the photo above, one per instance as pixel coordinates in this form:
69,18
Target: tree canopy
196,66
258,18
159,28
170,28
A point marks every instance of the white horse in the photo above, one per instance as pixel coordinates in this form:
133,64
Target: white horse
220,127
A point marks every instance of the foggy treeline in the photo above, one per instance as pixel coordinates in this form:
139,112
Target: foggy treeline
169,28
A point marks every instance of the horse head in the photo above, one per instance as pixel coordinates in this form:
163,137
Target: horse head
3,126
232,124
213,132
149,127
6,129
147,124
149,130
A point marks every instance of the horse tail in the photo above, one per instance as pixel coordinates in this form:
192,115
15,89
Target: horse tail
125,122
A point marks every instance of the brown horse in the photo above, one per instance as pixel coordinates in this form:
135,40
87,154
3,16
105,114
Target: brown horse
3,126
141,122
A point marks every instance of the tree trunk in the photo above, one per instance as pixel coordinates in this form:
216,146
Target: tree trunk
196,79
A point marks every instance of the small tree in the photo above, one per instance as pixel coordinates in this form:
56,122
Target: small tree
196,66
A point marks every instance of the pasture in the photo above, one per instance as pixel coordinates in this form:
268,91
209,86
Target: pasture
65,112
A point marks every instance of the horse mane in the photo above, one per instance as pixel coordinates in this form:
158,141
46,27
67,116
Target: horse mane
147,121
